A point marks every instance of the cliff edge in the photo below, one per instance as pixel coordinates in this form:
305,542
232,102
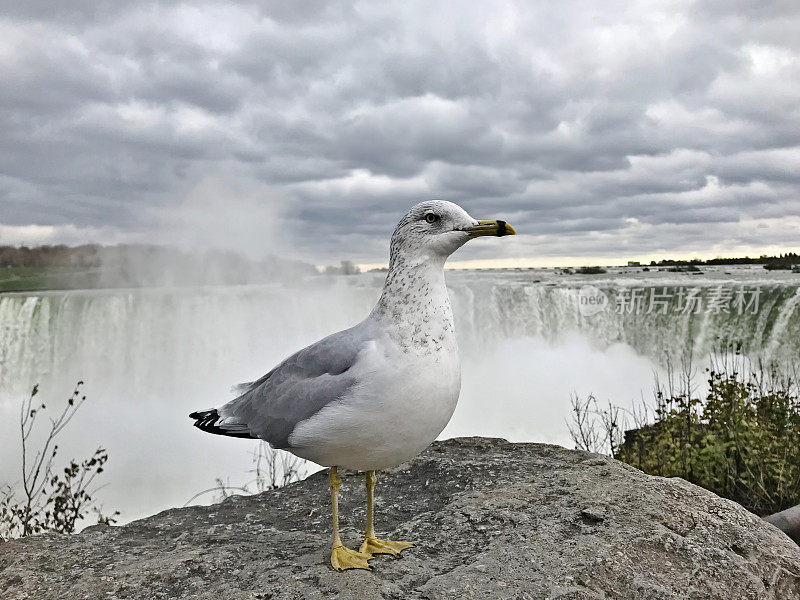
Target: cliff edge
489,519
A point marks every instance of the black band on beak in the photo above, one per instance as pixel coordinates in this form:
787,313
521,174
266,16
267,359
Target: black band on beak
496,228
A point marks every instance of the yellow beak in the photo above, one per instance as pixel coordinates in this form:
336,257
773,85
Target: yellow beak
497,228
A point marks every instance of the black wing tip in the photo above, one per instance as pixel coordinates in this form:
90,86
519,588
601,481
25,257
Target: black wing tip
206,420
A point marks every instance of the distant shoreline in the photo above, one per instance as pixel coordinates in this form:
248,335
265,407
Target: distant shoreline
89,267
605,276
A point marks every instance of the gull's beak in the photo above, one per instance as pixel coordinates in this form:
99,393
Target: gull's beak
497,228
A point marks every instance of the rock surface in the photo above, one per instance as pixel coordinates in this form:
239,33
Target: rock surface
490,519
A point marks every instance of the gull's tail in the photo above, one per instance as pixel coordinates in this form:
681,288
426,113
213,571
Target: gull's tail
210,421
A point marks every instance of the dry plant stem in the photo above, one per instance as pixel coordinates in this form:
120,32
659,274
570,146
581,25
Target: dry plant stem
273,469
35,478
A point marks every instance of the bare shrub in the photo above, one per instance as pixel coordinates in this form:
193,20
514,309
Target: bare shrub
50,500
272,469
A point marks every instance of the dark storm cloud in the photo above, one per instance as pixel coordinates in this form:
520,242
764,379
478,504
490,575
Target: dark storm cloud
597,129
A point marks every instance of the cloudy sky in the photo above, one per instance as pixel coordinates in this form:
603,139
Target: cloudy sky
602,131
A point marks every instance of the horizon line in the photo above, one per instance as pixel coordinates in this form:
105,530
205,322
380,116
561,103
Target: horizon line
556,262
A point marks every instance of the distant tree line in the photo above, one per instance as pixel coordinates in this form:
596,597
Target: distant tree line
85,256
134,265
781,261
785,261
346,267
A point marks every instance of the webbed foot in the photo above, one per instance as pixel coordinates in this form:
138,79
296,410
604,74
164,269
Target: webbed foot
373,545
343,558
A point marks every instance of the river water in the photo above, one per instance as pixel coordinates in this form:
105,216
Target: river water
528,339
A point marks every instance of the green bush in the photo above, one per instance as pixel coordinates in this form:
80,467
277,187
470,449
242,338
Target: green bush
740,438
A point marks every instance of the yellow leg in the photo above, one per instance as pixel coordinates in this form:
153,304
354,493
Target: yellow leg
373,545
342,558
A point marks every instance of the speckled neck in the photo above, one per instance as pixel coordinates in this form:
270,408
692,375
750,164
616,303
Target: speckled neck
415,305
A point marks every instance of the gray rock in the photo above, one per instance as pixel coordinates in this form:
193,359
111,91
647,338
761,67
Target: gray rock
788,521
490,519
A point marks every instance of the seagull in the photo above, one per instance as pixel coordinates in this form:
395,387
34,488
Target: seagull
373,396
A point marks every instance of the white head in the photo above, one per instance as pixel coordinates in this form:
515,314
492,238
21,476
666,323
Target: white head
435,229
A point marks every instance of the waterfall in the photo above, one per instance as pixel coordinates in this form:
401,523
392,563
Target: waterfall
150,356
155,339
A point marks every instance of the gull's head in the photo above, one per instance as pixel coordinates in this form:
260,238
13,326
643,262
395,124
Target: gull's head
437,228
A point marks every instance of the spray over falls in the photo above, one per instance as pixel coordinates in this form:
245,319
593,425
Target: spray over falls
153,338
524,338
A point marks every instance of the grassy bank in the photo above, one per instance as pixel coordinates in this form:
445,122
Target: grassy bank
20,279
31,279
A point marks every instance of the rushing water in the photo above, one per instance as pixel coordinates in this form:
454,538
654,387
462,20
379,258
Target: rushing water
528,339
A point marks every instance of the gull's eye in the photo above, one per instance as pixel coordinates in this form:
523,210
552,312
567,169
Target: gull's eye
431,218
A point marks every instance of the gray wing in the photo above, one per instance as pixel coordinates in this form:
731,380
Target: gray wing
296,389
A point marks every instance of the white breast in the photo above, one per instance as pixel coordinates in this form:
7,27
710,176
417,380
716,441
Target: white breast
402,402
408,378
